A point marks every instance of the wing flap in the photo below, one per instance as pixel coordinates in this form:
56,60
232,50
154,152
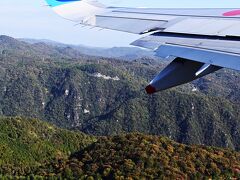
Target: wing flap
224,44
206,26
224,52
217,58
209,22
232,31
131,25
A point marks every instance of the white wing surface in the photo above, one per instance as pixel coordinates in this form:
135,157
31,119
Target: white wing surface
200,41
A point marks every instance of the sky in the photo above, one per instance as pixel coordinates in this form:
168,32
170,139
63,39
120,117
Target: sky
33,19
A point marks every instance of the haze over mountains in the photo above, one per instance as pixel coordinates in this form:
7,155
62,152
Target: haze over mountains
105,96
124,53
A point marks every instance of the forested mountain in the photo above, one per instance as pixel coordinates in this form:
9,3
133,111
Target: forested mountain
32,149
104,96
137,156
27,144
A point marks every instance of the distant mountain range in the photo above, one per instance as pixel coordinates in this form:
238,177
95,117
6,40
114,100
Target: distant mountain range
125,53
114,128
105,96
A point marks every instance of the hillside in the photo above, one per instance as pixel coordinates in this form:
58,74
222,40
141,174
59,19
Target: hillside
15,50
104,96
137,156
26,144
34,149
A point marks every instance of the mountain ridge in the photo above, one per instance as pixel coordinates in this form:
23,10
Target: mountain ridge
34,149
77,93
126,53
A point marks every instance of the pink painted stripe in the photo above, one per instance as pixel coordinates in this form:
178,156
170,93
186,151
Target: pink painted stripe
232,13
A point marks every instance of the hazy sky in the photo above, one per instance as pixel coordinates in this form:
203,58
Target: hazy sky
32,19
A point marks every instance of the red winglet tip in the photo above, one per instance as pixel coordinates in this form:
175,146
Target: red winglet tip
150,89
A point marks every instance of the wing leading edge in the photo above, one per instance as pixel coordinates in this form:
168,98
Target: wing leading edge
200,41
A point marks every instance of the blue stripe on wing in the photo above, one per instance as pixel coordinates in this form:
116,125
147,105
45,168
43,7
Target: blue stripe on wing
54,3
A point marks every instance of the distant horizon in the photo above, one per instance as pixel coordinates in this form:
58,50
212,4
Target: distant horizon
59,42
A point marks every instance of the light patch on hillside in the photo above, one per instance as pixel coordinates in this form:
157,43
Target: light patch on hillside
194,89
66,92
86,111
99,75
32,134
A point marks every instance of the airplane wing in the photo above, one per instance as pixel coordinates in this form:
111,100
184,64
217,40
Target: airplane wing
200,41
